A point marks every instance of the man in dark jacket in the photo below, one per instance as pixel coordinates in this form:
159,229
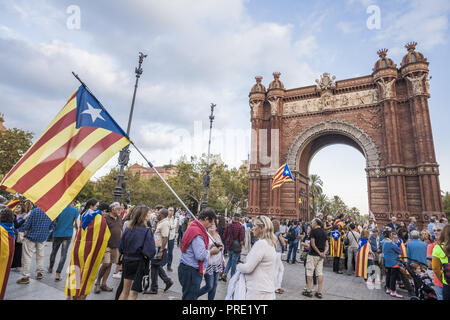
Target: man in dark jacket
234,237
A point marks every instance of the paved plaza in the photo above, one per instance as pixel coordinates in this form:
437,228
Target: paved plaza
336,286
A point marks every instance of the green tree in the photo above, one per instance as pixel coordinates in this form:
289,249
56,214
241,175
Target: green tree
315,189
446,203
88,192
13,145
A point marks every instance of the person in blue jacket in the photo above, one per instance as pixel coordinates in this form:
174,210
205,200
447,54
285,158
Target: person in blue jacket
62,236
391,254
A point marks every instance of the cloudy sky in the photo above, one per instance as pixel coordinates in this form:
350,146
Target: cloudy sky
206,51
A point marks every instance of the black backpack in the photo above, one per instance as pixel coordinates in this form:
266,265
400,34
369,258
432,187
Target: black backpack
235,244
291,234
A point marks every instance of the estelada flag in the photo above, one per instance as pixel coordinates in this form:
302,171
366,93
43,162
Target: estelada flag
282,175
336,244
78,142
402,247
362,258
88,249
6,254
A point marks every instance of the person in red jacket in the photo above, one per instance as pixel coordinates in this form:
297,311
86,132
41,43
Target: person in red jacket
195,254
234,239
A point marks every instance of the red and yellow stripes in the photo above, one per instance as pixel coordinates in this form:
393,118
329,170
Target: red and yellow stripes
362,259
57,166
403,255
87,254
13,204
336,247
6,257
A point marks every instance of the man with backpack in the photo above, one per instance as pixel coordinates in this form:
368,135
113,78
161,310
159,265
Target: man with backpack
293,235
234,237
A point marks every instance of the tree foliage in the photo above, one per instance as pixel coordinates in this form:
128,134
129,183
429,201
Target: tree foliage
320,202
228,188
446,203
13,145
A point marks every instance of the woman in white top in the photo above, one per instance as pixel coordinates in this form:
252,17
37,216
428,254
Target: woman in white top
173,229
259,269
279,269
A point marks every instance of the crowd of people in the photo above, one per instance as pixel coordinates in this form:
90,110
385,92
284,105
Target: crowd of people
249,253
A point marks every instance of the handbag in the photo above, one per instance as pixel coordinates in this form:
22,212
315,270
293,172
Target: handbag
20,236
160,262
145,279
303,256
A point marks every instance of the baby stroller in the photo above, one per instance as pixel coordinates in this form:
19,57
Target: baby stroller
421,287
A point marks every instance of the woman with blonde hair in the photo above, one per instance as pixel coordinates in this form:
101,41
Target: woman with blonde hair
426,237
261,261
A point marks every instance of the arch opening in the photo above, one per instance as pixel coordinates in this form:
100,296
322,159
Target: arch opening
341,168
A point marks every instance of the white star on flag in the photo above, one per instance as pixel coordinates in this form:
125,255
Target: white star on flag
93,112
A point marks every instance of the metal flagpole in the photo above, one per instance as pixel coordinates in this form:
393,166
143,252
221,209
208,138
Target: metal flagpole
206,178
124,154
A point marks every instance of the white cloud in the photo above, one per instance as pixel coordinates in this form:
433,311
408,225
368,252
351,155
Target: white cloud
426,24
347,27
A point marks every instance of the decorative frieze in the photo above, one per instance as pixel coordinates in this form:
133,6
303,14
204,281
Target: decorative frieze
328,101
403,171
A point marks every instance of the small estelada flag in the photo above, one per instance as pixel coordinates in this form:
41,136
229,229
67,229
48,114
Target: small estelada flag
282,175
78,142
362,258
336,244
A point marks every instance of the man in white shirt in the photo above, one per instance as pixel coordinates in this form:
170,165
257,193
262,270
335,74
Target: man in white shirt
181,218
173,229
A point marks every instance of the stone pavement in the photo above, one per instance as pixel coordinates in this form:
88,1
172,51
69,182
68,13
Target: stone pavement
336,286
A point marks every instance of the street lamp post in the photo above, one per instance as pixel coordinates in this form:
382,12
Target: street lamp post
124,154
206,178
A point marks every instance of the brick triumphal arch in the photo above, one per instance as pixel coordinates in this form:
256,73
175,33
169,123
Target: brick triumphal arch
384,115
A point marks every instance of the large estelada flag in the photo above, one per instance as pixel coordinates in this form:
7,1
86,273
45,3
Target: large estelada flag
6,254
78,142
362,258
282,175
88,249
336,244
